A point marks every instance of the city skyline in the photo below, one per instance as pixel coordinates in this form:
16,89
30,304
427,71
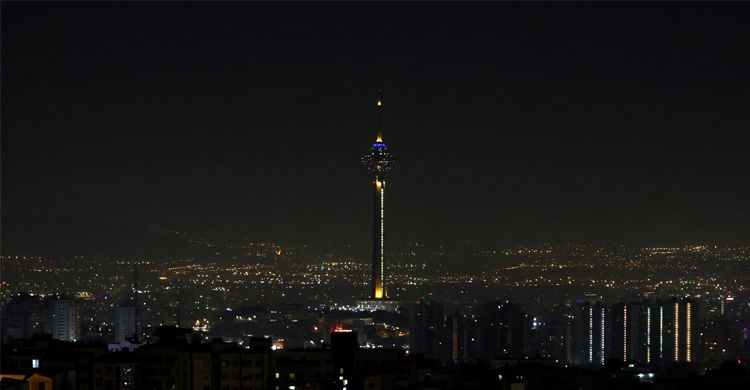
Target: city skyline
513,123
184,204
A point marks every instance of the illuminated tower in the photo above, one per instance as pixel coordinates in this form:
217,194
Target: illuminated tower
379,162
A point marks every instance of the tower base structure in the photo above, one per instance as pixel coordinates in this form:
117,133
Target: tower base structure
369,304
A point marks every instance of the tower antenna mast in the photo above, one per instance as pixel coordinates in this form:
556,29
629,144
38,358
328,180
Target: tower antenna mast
380,114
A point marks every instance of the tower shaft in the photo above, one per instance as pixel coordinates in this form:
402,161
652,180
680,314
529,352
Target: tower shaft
379,289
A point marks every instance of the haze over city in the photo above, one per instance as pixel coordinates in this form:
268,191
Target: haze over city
512,123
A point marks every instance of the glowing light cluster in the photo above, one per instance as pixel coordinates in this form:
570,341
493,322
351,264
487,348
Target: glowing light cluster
379,160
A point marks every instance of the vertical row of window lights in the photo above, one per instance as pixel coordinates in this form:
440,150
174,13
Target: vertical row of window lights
661,332
601,331
676,332
591,335
454,324
382,241
344,382
624,333
648,334
378,272
688,332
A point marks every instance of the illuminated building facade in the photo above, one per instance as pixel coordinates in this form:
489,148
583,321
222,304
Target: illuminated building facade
28,314
667,331
618,332
127,323
591,333
687,329
378,162
65,318
647,332
641,322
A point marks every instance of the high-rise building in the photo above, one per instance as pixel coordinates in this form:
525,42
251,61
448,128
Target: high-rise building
643,332
720,342
618,332
686,329
640,328
553,341
127,323
65,319
503,330
590,335
457,335
663,332
28,314
428,330
378,162
23,316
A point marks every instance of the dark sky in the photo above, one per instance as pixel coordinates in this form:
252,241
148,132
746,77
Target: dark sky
510,122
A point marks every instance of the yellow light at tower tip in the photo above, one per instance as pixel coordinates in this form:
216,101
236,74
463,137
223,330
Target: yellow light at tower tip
378,102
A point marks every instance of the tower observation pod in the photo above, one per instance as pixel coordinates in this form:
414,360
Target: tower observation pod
379,162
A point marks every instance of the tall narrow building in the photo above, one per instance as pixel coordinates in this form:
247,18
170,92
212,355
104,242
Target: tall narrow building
65,320
428,330
127,323
455,325
591,333
378,162
503,328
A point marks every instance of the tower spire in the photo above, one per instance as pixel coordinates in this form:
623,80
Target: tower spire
380,114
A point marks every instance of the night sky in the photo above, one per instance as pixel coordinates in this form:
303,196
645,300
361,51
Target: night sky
511,123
